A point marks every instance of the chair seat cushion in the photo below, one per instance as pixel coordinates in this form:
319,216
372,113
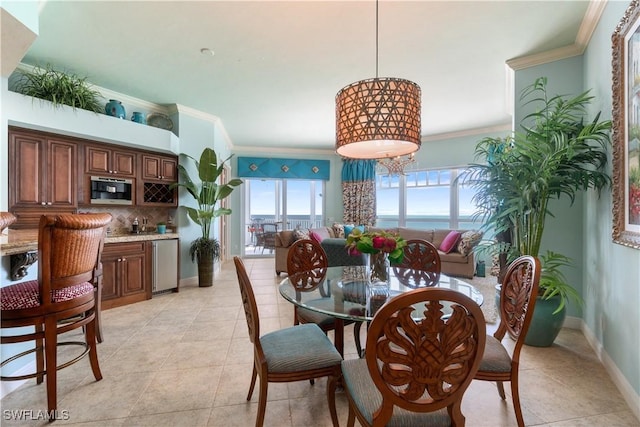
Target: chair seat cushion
26,294
368,399
308,316
299,348
495,357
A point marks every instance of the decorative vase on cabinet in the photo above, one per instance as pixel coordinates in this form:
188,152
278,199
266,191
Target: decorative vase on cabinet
115,108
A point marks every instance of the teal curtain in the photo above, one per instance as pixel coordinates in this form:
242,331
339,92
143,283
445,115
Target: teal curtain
359,191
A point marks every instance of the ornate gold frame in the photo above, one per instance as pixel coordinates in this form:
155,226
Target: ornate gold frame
622,233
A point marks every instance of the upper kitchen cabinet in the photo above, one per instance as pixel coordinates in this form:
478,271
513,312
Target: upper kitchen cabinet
42,171
159,168
109,162
157,173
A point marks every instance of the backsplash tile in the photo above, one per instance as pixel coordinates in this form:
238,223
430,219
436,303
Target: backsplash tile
123,217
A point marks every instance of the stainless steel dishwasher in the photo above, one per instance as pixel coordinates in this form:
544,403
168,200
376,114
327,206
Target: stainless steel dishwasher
165,265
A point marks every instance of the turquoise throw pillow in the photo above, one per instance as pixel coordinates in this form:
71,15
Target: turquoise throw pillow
349,228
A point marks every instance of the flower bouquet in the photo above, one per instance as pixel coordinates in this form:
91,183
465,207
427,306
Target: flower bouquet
383,247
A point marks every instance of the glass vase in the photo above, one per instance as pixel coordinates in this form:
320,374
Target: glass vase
379,268
378,281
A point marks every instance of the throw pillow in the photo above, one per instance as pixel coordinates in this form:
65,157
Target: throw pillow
301,233
338,230
449,242
315,236
468,241
349,228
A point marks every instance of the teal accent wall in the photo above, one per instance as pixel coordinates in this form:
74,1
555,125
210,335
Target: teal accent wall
563,230
611,272
196,134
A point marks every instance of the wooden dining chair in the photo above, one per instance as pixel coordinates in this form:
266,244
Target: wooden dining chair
60,300
420,266
297,353
423,350
307,265
517,301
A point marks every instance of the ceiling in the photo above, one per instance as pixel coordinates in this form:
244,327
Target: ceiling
277,66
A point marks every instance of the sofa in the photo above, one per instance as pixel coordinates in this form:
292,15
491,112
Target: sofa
331,242
458,261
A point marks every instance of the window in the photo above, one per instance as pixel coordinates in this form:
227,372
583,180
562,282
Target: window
424,199
289,203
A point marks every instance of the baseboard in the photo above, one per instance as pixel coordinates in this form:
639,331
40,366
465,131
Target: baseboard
571,322
189,281
628,393
7,387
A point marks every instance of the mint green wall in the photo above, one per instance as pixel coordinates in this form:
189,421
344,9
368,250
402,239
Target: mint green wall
563,230
196,134
606,274
451,152
611,279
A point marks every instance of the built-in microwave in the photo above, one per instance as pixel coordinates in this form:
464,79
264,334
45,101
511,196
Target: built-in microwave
112,191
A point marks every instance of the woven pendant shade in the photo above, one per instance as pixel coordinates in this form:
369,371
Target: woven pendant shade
378,118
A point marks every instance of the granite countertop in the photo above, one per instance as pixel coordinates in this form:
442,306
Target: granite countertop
19,241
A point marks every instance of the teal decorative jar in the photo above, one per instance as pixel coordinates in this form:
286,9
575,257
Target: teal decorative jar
138,117
115,108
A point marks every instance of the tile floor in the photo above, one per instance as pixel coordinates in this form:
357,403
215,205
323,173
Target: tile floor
184,359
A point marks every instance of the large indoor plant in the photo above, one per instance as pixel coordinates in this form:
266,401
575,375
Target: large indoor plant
59,88
207,192
555,154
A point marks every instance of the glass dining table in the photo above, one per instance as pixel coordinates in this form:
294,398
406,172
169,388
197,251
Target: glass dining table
345,294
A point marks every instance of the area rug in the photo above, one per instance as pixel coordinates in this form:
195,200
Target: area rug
486,285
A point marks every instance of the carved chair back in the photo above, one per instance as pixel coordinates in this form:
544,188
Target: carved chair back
421,265
423,349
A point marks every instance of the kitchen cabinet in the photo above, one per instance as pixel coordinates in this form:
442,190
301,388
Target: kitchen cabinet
125,274
157,173
43,176
159,168
106,161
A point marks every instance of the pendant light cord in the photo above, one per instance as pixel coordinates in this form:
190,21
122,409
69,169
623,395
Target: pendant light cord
376,39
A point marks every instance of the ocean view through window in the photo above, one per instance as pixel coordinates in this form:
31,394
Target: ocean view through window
424,199
288,203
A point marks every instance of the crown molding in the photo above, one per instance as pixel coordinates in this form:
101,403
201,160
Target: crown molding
586,30
502,127
192,112
590,22
528,61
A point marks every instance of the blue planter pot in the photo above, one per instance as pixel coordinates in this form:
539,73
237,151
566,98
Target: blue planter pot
545,326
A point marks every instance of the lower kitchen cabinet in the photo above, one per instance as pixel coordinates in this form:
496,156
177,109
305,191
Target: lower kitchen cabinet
125,274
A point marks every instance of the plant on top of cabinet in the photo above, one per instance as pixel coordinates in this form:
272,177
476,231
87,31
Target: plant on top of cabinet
207,193
58,87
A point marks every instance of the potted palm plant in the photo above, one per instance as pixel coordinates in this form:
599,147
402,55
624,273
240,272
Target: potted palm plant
205,250
555,154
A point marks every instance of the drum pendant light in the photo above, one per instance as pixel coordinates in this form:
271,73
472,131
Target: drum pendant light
378,118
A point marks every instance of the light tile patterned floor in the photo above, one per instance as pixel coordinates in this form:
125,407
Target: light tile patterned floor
184,359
